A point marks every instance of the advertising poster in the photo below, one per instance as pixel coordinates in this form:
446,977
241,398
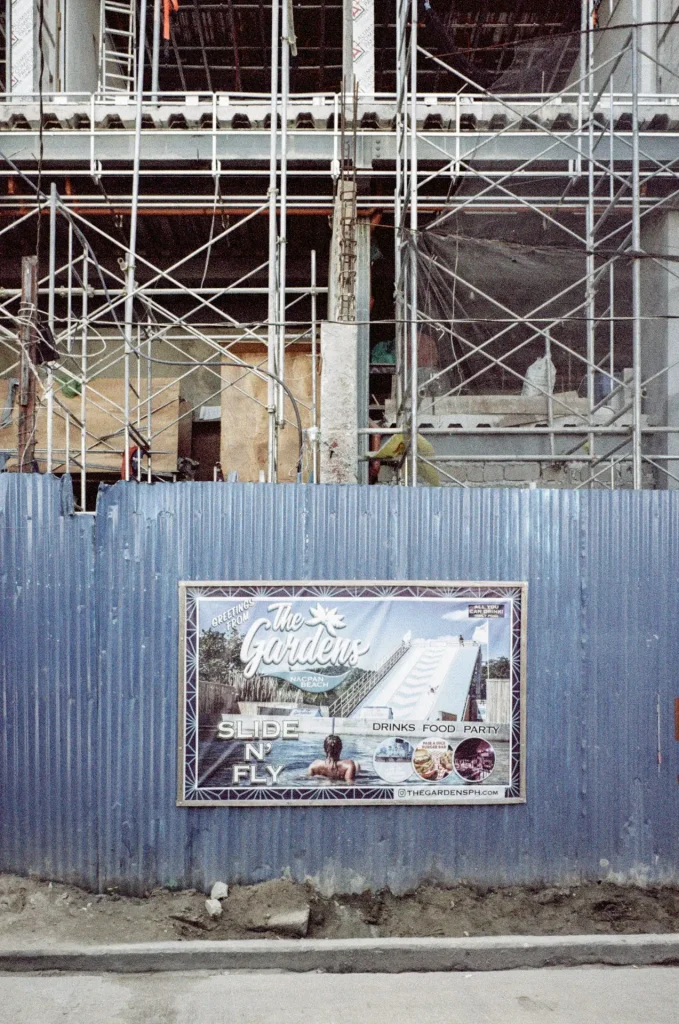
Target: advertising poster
351,692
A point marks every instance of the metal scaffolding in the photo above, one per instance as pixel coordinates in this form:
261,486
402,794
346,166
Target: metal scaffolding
113,322
590,143
591,158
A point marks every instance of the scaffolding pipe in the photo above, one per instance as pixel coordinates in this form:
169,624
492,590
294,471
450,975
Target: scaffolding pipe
272,334
149,385
398,213
155,55
50,321
589,234
611,269
315,449
636,265
413,239
283,221
69,330
83,388
132,249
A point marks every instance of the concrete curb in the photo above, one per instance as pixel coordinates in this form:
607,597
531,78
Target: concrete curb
347,956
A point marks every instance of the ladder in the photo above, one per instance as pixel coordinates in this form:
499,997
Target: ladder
117,37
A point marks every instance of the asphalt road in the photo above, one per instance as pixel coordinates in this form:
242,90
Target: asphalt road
591,995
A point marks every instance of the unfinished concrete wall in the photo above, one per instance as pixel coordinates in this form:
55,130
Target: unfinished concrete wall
81,19
652,41
660,338
531,474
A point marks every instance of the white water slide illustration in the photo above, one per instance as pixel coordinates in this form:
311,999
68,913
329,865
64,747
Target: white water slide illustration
432,677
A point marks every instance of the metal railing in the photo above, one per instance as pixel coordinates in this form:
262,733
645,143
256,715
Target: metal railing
344,705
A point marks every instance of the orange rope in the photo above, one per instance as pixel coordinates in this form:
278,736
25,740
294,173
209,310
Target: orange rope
167,5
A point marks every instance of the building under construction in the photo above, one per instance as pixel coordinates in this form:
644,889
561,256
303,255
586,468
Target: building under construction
420,243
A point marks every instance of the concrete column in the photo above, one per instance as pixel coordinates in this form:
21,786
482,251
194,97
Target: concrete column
660,338
363,243
339,403
70,43
607,46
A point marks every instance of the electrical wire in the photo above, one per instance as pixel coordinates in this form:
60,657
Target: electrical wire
76,230
208,253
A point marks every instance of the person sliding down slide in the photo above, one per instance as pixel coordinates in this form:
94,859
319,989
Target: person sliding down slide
333,767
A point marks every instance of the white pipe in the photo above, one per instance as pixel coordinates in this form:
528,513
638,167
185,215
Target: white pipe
69,327
315,450
50,321
155,57
413,241
283,227
272,459
399,333
636,265
83,390
149,410
132,250
589,236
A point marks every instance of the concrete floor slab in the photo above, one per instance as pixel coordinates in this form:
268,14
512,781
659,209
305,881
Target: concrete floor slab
622,995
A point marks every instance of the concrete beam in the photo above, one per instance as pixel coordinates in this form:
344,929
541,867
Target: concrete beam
362,956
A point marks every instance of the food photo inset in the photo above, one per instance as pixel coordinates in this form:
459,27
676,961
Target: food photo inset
474,760
433,760
393,760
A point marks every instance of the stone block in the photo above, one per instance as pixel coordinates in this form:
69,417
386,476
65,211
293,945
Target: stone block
552,474
522,471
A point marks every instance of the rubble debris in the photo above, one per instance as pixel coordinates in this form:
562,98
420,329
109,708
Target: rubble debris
219,891
214,908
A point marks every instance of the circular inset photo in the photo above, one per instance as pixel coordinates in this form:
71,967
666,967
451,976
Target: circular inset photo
433,760
474,760
393,759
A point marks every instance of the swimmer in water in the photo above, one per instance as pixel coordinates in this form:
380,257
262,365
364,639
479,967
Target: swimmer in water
333,767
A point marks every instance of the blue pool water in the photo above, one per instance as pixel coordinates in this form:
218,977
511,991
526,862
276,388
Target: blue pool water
297,755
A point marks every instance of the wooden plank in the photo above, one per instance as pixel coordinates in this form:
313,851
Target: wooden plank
245,419
104,403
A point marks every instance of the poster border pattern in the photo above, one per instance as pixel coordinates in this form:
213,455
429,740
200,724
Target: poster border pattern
188,793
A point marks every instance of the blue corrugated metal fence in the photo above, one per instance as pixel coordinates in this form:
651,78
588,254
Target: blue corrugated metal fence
88,678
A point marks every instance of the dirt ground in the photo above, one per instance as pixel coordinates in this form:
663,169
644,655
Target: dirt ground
36,913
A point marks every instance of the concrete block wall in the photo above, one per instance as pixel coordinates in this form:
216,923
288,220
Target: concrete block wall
527,474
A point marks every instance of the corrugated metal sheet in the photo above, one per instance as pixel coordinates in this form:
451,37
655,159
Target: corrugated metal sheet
603,648
48,765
